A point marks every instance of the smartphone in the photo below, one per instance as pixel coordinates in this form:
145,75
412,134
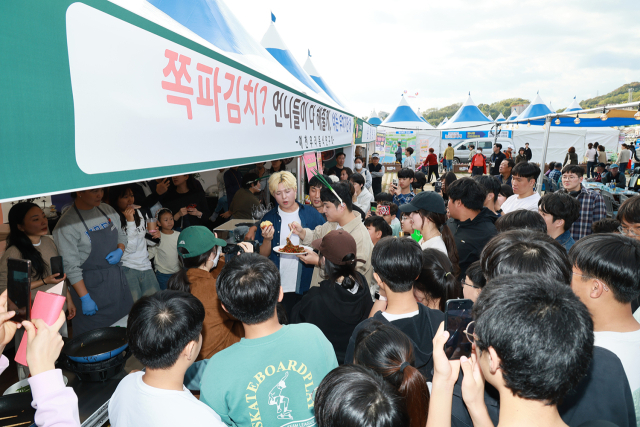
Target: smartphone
374,207
19,289
395,182
56,266
457,316
385,210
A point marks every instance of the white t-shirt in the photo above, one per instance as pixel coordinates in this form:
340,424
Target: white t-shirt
513,203
137,404
434,243
135,254
391,317
625,345
288,263
592,155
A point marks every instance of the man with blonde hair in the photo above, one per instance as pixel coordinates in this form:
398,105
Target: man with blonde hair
295,275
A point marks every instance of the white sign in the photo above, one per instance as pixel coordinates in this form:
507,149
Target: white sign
368,133
142,101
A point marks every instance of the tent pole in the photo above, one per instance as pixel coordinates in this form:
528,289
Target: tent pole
547,132
300,178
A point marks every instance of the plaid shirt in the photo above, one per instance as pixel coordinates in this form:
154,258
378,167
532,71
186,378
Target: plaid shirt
592,209
402,199
555,175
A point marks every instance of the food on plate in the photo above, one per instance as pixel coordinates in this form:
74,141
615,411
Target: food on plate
265,224
290,248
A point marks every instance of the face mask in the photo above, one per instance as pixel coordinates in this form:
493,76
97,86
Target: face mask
215,260
358,165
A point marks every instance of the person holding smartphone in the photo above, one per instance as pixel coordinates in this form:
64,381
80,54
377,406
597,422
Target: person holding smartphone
28,239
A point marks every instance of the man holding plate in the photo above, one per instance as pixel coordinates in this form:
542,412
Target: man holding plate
295,277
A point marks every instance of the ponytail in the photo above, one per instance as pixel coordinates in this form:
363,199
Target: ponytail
437,281
452,250
179,282
416,394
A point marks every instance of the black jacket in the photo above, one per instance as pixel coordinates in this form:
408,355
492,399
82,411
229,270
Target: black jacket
620,179
420,329
528,154
335,311
604,394
471,236
496,159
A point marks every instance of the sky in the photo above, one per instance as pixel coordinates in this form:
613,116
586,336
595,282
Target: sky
371,52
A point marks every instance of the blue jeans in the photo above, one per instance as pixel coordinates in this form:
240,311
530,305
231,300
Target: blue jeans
163,279
141,283
590,167
222,204
448,165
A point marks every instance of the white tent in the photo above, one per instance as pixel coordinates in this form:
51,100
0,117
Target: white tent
468,115
311,70
446,119
374,119
536,109
500,118
404,117
575,106
489,117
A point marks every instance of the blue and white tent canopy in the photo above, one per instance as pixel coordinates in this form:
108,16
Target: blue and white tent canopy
535,109
489,117
446,119
311,70
374,119
575,106
513,116
500,118
467,115
404,117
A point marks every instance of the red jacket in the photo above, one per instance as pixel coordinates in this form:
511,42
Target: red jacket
479,160
431,160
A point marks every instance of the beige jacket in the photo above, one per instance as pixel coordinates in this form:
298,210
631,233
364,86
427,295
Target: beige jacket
359,232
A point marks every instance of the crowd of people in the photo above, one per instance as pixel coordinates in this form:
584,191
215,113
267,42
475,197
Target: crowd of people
351,331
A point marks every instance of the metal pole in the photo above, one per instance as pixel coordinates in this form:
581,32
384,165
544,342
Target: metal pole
300,178
547,132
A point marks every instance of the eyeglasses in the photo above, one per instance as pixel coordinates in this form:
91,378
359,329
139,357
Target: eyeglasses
470,285
630,232
469,331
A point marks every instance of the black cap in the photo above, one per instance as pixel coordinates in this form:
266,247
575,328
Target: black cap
427,200
602,165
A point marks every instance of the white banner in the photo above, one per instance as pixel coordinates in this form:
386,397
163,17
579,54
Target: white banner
142,101
368,133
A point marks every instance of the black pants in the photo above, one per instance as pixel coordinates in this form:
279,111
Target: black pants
477,170
433,169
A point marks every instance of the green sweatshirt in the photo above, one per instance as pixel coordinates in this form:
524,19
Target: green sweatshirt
269,381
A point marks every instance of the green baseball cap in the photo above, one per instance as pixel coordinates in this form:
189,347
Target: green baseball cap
197,240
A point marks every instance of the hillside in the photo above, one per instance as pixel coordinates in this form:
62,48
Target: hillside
618,96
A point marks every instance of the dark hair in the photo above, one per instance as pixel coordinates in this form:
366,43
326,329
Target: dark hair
384,197
525,251
343,190
506,190
449,144
526,170
355,396
560,205
440,221
384,348
116,192
590,145
19,239
573,169
161,325
410,150
421,180
541,332
398,262
497,144
163,211
557,165
406,173
379,224
437,280
521,149
248,179
447,179
629,211
393,208
490,184
572,149
332,272
248,286
358,158
348,171
340,154
474,272
612,258
552,165
283,166
180,281
510,162
601,147
357,178
469,192
431,150
315,182
605,225
522,219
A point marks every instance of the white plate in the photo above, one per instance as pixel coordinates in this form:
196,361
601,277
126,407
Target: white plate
13,389
277,249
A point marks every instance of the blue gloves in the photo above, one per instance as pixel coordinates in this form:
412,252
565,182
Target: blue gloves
89,308
114,257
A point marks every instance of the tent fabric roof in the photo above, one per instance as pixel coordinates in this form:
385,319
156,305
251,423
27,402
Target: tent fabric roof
500,118
404,115
489,117
575,106
467,115
311,70
276,47
375,121
535,109
513,116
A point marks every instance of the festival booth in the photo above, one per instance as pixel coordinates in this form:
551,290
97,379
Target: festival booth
104,92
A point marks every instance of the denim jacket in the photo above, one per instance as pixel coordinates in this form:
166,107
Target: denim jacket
309,218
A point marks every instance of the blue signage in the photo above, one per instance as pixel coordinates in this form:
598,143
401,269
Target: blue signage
471,134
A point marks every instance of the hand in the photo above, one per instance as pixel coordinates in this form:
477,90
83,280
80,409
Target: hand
128,214
89,308
162,186
248,247
71,307
297,229
267,233
53,279
183,212
445,371
309,257
227,214
155,234
393,189
194,212
43,345
251,234
473,381
7,329
114,257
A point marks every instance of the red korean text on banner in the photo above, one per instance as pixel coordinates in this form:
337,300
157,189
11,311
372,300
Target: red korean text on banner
177,85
